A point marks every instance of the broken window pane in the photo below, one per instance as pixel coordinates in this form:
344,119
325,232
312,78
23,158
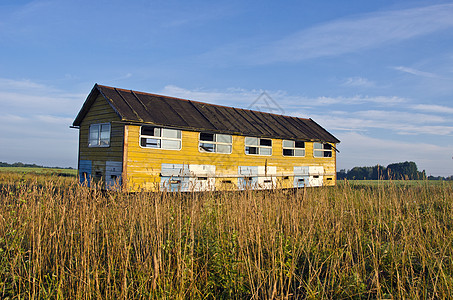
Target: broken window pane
207,147
151,143
150,130
207,137
299,144
288,152
251,150
265,142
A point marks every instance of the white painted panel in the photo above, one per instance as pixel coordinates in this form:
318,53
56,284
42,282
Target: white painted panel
268,182
316,170
202,178
248,170
199,170
301,170
315,180
269,170
174,170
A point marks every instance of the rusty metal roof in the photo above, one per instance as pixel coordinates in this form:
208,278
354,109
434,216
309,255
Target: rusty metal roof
139,107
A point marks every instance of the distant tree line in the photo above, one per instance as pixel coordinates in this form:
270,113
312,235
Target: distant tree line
22,165
440,178
406,170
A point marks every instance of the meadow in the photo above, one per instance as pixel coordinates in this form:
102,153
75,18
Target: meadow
59,240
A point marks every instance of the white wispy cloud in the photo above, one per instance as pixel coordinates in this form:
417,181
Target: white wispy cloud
244,98
358,82
433,108
397,122
26,97
368,31
343,36
416,72
24,84
358,99
232,96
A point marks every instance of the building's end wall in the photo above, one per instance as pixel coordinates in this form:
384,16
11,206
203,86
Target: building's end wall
101,162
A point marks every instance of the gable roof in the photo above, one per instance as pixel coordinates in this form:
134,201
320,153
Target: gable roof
138,107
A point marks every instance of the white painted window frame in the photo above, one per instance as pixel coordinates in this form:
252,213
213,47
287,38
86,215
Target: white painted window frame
215,143
259,146
322,150
160,138
294,148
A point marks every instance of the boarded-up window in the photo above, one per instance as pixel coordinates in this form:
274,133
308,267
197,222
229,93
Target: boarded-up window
99,135
161,138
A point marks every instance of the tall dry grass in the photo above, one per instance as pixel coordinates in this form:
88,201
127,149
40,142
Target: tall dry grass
59,240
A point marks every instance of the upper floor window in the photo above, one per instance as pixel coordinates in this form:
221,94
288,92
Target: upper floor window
293,148
161,138
322,150
258,146
99,135
218,143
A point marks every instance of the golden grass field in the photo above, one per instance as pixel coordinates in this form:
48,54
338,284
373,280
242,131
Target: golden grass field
59,240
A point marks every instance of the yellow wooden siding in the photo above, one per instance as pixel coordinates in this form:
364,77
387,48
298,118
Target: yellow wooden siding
144,164
101,112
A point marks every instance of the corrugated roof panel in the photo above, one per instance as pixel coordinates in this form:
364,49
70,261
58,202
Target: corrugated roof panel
237,124
214,118
223,123
122,107
161,110
287,130
296,131
262,126
270,122
189,113
299,129
256,130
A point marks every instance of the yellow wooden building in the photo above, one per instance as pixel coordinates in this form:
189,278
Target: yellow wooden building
146,141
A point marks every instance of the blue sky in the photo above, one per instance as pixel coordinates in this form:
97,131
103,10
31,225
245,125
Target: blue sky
376,74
